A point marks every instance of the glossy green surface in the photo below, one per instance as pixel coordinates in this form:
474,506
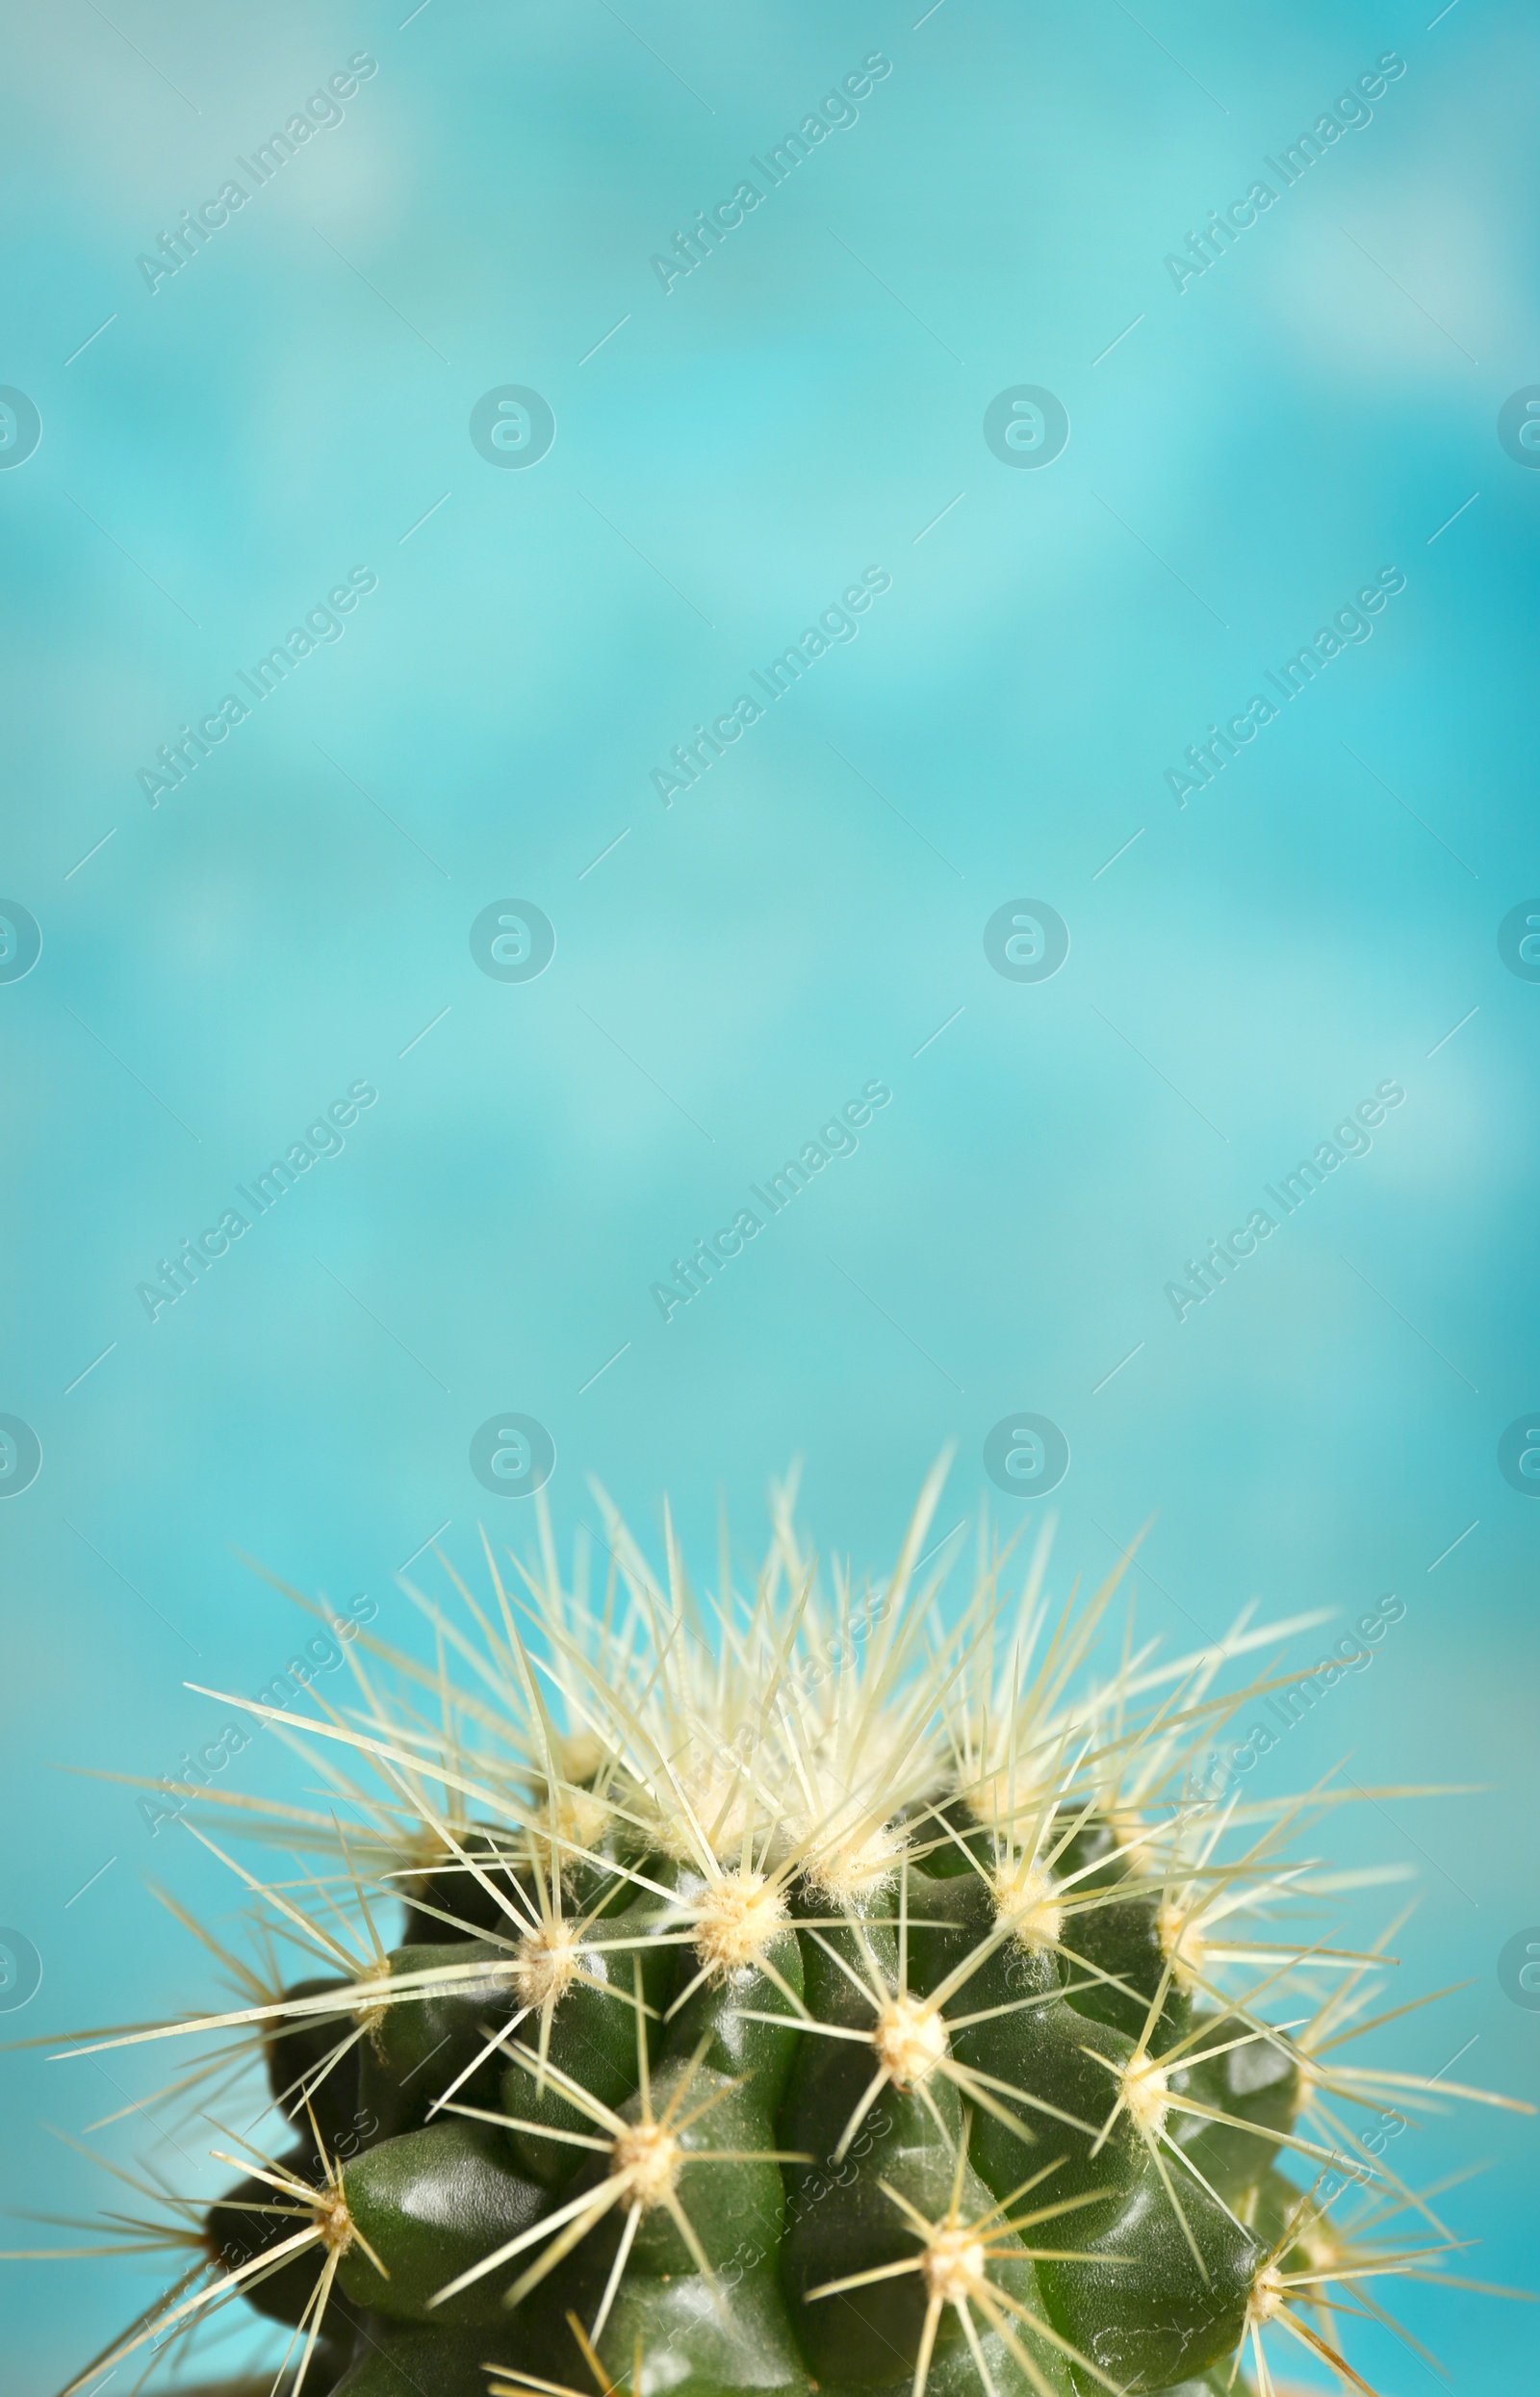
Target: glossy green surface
814,2179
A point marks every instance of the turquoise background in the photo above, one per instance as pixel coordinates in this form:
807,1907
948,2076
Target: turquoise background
1243,457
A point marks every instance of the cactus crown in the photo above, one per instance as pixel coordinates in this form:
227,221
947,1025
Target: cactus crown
794,1994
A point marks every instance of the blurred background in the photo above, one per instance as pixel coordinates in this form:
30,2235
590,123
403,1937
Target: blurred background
1190,474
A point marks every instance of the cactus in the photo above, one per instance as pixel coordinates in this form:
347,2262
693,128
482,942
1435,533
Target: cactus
793,1993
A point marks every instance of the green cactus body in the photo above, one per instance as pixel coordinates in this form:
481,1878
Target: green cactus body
817,2012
